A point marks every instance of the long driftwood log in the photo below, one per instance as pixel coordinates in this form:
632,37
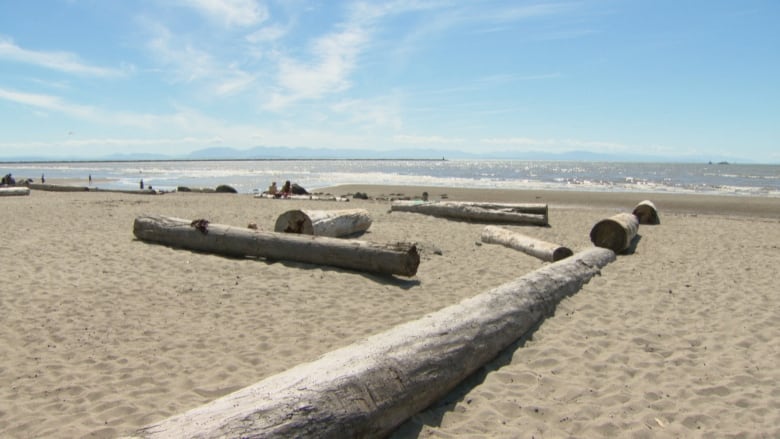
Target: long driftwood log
543,250
333,223
200,235
57,187
14,191
616,232
531,213
367,389
646,213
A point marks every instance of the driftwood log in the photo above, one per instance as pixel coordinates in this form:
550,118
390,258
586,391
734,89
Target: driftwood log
334,223
57,187
200,235
616,232
367,389
531,213
540,249
14,191
646,213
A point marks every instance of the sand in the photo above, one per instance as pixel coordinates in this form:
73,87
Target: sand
101,334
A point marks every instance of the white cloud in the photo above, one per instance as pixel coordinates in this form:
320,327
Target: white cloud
231,13
61,61
267,34
335,57
48,102
190,64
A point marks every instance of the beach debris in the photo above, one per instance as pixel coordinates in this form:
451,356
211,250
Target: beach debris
509,213
334,223
370,387
297,189
646,213
393,258
12,191
537,248
616,232
200,224
252,226
360,196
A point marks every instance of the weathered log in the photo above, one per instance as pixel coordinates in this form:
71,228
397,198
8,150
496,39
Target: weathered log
545,251
616,232
333,223
14,190
646,213
200,235
535,214
57,187
370,387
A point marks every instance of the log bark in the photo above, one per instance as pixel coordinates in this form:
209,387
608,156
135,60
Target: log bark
616,232
532,213
545,251
333,223
399,258
367,389
646,213
14,191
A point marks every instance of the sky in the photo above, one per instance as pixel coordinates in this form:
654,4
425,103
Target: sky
671,78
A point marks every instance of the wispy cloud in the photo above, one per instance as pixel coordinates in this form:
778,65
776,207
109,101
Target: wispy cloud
334,58
47,102
241,13
335,55
188,63
61,61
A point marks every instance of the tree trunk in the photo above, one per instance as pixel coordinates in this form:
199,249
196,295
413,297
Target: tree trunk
646,213
543,250
367,389
535,214
199,235
616,232
334,223
14,190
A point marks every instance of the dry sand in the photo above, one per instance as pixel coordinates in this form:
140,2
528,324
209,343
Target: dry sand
101,334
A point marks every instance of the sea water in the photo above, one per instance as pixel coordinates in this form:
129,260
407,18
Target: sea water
248,176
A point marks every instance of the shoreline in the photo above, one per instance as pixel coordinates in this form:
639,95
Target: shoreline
709,204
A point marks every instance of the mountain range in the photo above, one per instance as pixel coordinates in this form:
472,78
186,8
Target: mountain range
285,153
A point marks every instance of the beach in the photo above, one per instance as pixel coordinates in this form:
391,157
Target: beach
102,334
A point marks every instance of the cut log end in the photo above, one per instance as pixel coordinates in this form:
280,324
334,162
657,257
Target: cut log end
646,213
608,234
615,233
561,253
294,221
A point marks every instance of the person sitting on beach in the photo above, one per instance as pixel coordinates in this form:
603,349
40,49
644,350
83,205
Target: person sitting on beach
286,189
273,190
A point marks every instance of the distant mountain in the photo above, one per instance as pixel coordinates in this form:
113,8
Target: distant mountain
286,153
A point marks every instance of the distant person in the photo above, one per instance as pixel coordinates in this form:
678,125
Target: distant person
90,179
142,184
286,189
43,179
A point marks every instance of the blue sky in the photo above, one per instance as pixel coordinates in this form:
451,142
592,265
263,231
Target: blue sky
671,78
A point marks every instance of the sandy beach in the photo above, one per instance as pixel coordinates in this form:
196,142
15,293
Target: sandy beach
102,334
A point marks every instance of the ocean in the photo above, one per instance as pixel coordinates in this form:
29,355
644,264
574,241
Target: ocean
248,176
